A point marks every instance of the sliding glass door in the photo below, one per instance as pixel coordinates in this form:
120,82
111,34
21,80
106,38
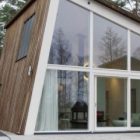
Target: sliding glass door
135,103
111,102
118,101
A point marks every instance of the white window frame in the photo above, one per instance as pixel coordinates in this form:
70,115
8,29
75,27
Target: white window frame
94,8
111,129
41,68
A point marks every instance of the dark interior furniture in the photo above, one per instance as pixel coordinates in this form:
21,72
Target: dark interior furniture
101,121
79,115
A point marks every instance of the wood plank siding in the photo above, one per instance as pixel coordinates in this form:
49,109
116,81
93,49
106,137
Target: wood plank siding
16,86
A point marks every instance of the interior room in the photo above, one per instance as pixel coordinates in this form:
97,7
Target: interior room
111,102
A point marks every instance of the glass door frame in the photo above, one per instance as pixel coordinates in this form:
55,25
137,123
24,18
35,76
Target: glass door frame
112,129
115,129
131,128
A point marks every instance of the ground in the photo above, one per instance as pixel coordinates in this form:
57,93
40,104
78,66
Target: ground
117,136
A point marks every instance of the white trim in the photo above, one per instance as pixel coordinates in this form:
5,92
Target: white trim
112,129
128,103
105,128
41,69
70,68
129,50
95,103
131,127
91,79
98,71
135,75
134,129
111,72
91,39
60,132
117,129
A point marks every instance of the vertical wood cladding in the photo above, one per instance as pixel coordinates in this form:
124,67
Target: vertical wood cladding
16,89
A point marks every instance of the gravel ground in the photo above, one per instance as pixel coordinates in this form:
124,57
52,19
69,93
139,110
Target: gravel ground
117,136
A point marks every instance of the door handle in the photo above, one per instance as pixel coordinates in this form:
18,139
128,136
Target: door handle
29,70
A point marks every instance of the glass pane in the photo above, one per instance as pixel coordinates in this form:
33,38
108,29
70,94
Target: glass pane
110,45
135,52
111,102
25,38
70,44
135,103
64,103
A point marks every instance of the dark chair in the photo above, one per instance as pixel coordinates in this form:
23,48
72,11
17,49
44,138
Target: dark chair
101,121
79,115
100,116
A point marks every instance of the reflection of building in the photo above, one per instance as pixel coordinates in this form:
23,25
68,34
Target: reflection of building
112,93
121,63
39,96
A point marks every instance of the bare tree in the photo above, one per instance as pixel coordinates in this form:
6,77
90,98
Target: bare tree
136,9
132,5
112,46
60,50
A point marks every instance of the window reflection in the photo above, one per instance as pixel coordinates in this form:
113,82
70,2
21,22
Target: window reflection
64,103
110,45
70,45
135,52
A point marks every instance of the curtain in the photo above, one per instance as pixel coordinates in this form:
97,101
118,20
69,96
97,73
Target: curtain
48,111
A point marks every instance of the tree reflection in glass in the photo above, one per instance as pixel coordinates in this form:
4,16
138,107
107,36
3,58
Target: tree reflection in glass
110,47
60,50
135,52
70,44
64,102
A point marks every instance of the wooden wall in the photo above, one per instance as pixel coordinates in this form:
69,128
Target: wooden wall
16,85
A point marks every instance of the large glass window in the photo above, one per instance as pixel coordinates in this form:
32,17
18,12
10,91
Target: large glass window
64,103
111,102
70,45
110,44
135,103
135,51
